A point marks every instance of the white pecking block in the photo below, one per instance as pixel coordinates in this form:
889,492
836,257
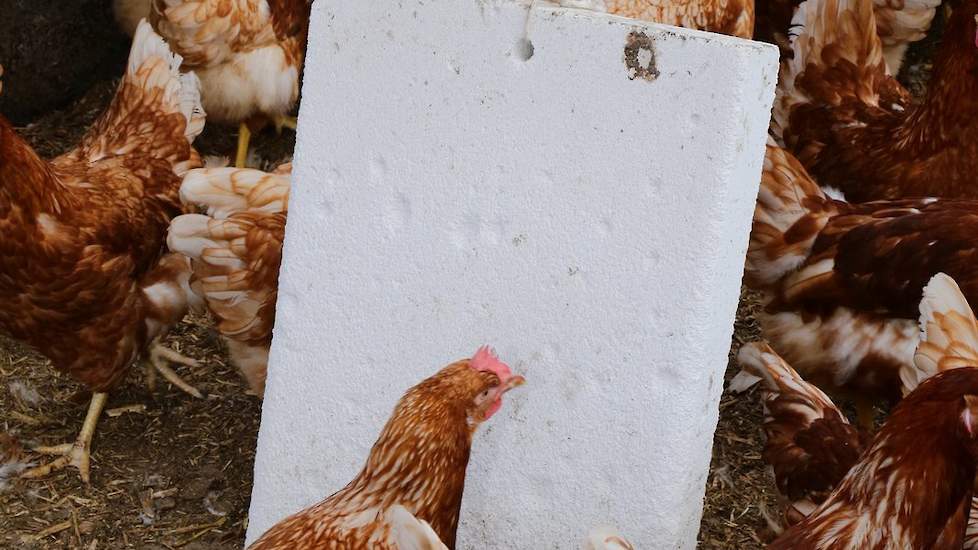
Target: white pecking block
573,188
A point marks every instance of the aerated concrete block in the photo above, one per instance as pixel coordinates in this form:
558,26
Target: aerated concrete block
575,189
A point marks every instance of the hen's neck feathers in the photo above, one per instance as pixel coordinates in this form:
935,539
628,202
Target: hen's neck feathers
418,461
945,117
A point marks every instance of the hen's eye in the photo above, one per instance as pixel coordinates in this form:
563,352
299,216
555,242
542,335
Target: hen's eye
485,393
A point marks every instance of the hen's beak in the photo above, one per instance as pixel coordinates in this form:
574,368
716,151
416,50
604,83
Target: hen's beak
513,382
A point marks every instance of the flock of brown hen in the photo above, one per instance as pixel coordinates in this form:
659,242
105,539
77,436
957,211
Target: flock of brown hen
106,247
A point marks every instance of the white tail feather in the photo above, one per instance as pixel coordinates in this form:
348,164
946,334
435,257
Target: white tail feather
180,89
948,333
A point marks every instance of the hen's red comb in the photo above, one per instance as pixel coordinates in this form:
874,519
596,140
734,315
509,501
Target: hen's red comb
485,360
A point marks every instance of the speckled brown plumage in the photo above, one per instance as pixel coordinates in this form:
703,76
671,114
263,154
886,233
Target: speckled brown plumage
842,282
248,53
809,443
733,17
913,486
82,235
793,407
236,247
418,462
898,24
290,19
855,128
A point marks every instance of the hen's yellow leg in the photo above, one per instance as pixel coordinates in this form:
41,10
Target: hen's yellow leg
73,454
159,355
244,138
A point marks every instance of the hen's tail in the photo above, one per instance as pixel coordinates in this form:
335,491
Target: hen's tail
236,250
948,333
791,211
606,538
810,443
839,55
156,110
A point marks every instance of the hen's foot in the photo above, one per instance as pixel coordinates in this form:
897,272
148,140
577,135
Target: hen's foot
73,454
159,356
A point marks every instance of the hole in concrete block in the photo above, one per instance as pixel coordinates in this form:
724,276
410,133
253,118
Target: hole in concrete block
524,49
640,57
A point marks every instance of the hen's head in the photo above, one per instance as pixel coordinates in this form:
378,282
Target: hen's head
477,384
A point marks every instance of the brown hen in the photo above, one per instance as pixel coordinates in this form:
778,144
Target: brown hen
854,127
948,340
235,249
417,463
248,54
811,445
913,486
84,273
842,282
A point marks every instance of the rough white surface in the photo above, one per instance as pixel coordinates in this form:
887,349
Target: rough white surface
449,193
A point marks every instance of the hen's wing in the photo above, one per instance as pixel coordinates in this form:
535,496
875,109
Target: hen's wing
809,442
155,115
208,32
733,17
878,256
236,248
136,152
790,213
836,77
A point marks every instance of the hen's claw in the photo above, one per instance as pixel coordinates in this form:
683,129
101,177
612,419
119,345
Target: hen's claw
159,355
73,454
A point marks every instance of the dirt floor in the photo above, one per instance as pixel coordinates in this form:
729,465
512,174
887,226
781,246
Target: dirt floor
171,471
